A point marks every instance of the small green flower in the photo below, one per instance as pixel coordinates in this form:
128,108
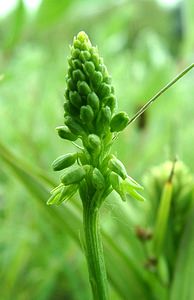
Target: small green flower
116,166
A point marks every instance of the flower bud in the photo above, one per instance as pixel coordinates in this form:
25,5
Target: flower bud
94,141
98,180
93,101
83,38
75,98
111,102
64,161
65,133
70,109
103,119
78,75
73,175
86,114
70,61
93,50
70,84
66,94
83,88
107,79
119,122
75,52
102,68
89,68
73,125
84,56
76,64
116,166
96,59
84,157
69,72
77,44
104,90
96,78
66,107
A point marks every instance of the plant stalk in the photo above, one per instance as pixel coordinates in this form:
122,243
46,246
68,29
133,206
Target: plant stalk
163,214
94,251
156,96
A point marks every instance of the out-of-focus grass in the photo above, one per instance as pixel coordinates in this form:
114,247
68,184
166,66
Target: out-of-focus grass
144,46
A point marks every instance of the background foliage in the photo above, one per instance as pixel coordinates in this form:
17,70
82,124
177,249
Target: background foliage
144,44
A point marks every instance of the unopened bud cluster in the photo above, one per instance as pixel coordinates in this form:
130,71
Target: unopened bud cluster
89,114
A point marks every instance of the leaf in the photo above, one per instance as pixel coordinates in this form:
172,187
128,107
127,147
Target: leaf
162,218
60,217
50,12
182,285
16,26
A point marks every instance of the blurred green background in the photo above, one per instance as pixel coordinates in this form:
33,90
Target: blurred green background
144,45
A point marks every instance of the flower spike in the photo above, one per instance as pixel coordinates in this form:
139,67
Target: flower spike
89,115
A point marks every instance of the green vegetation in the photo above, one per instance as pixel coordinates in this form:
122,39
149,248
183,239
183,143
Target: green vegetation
148,245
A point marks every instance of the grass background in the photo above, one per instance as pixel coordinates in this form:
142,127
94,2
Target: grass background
144,45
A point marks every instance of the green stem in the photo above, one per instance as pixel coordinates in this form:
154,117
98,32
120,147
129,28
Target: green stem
94,251
165,88
163,214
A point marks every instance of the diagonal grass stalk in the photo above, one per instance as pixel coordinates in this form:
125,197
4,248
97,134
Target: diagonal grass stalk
157,95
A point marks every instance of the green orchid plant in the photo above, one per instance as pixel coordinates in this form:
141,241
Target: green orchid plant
90,116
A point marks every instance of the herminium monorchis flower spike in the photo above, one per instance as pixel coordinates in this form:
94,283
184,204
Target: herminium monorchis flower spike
89,114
